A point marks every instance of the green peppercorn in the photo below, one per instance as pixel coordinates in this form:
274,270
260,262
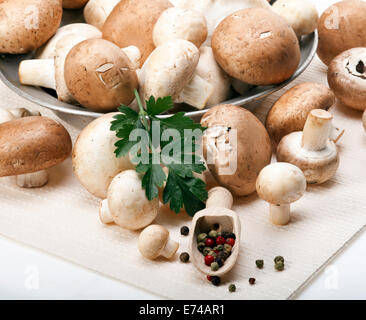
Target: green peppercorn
259,263
214,266
184,257
279,266
227,247
213,253
251,281
279,259
184,231
201,237
212,234
206,251
201,246
232,288
219,247
215,280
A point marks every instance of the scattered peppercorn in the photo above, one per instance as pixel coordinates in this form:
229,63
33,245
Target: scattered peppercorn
215,280
259,263
201,246
184,231
230,241
184,257
209,259
209,242
220,240
214,266
251,281
216,226
209,278
212,234
232,288
279,259
279,266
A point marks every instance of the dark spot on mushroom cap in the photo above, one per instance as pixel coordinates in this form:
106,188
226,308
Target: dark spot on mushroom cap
360,68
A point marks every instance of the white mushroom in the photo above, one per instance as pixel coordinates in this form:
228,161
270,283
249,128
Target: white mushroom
154,241
96,12
280,184
126,204
312,150
169,71
48,51
177,23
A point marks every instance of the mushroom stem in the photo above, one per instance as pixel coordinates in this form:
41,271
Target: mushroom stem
133,53
32,180
317,130
104,213
170,249
38,72
279,214
219,197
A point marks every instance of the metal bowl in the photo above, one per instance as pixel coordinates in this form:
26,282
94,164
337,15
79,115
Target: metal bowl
46,98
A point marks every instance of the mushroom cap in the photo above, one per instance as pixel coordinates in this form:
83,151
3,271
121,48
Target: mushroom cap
347,78
152,241
128,204
73,4
97,11
93,158
48,51
300,14
281,183
99,75
25,25
318,166
131,22
177,23
168,69
341,27
209,70
235,136
256,46
290,111
32,144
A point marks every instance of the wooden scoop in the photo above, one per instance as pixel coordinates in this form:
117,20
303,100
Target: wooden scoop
217,211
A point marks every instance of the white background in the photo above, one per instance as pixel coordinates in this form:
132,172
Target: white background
27,273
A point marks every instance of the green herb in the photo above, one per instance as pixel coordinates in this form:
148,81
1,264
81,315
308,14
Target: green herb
182,189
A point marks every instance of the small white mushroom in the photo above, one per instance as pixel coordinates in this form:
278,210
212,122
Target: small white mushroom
169,71
312,150
177,23
154,241
280,184
126,204
96,12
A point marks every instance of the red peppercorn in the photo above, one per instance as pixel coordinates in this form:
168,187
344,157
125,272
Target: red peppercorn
220,240
230,241
216,251
209,259
209,278
209,242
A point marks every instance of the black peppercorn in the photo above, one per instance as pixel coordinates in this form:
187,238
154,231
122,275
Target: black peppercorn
222,255
215,280
251,281
232,235
184,231
225,234
220,262
184,257
201,246
259,263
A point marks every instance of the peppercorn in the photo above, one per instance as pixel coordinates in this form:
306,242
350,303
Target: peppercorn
209,242
232,288
225,234
279,259
279,266
212,253
227,247
209,259
215,280
220,240
259,263
232,235
214,266
209,278
220,262
184,257
230,241
212,234
222,255
216,226
184,231
220,247
201,246
251,281
206,251
201,237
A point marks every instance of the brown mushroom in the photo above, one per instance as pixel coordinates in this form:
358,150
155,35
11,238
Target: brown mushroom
290,111
256,46
347,78
99,75
236,147
341,27
132,22
25,25
73,4
30,145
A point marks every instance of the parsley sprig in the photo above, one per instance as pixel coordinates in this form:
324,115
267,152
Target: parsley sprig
182,189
